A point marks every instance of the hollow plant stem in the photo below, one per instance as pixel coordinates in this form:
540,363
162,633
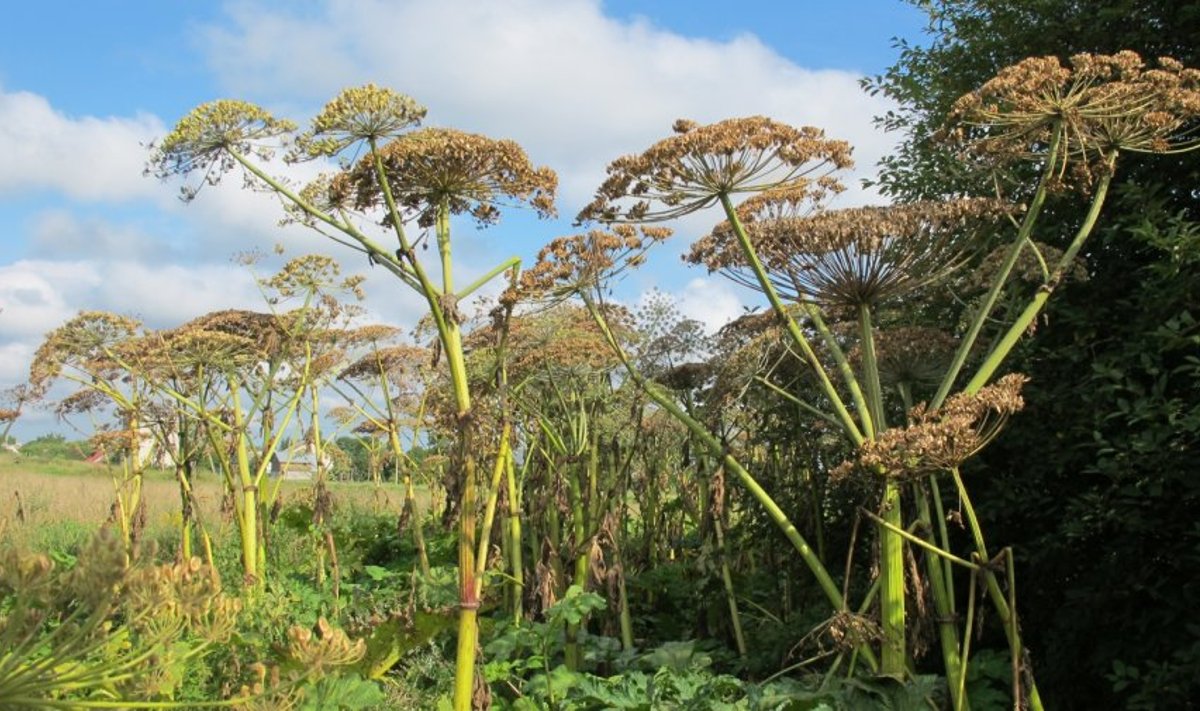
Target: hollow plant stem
847,420
718,451
1010,259
1038,302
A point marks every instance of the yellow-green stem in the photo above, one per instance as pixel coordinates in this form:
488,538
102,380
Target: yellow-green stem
514,535
943,608
1035,306
871,368
891,573
1010,259
727,580
489,515
793,329
717,450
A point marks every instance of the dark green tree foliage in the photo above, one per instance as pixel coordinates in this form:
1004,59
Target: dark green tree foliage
1096,483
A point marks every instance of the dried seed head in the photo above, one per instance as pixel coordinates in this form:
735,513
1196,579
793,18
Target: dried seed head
465,172
328,194
855,256
86,343
392,362
546,344
266,331
582,261
1028,268
912,355
1101,104
936,441
692,169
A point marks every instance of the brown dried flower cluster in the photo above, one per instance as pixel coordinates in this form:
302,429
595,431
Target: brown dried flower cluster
329,647
1101,103
565,338
330,194
855,256
694,168
205,139
364,113
465,172
86,343
394,362
936,441
266,331
185,349
573,262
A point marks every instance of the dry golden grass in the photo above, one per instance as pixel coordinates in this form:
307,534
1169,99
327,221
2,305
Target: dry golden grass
38,494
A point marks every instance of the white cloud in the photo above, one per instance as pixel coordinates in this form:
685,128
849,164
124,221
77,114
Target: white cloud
36,296
167,295
85,158
575,87
14,362
712,301
61,234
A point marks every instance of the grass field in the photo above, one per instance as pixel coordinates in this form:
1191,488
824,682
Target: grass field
55,497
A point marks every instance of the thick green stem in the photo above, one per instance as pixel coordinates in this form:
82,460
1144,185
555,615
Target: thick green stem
992,585
1035,306
891,573
943,606
489,515
735,617
579,540
1010,259
871,368
468,627
760,273
717,450
514,539
248,512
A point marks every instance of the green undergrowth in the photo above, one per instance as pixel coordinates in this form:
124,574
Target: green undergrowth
377,633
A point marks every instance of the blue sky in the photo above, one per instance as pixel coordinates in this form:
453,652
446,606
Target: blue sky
578,82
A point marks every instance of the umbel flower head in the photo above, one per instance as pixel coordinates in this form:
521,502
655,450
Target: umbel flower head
1033,267
395,362
86,343
856,256
206,139
1100,103
554,341
182,350
363,113
694,168
575,262
938,440
465,172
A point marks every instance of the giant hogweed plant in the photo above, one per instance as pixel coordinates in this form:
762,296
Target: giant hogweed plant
385,392
113,630
401,176
1072,122
86,353
237,376
116,630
